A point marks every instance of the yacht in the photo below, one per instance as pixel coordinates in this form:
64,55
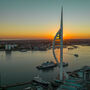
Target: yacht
50,64
39,80
47,65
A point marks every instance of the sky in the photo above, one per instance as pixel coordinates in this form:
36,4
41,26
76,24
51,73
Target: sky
40,19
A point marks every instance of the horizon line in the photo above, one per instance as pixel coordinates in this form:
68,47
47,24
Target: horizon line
45,39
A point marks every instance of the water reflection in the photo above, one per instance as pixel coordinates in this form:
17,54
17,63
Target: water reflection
22,66
8,55
47,70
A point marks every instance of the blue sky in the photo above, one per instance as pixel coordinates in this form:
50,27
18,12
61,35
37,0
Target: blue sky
37,18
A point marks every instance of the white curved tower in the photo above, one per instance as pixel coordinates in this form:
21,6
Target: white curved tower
59,34
61,46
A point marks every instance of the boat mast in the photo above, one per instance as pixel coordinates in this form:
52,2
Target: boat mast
61,46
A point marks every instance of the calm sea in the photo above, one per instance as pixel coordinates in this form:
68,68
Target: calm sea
19,66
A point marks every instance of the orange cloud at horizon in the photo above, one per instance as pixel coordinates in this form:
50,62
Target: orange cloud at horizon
16,31
77,36
29,36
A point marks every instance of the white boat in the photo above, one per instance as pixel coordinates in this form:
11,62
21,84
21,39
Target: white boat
40,81
48,64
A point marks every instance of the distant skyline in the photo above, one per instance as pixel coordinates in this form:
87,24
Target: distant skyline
40,19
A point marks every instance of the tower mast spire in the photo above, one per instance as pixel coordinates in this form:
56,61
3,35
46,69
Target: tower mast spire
61,45
60,34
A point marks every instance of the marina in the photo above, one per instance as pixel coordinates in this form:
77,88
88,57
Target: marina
81,82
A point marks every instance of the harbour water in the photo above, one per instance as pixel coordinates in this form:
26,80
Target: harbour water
19,66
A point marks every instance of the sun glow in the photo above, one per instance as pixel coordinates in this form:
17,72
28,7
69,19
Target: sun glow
16,31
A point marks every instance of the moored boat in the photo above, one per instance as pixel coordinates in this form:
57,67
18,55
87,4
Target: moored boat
39,80
65,64
76,55
48,64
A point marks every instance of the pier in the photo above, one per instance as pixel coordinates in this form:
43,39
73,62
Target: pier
15,85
